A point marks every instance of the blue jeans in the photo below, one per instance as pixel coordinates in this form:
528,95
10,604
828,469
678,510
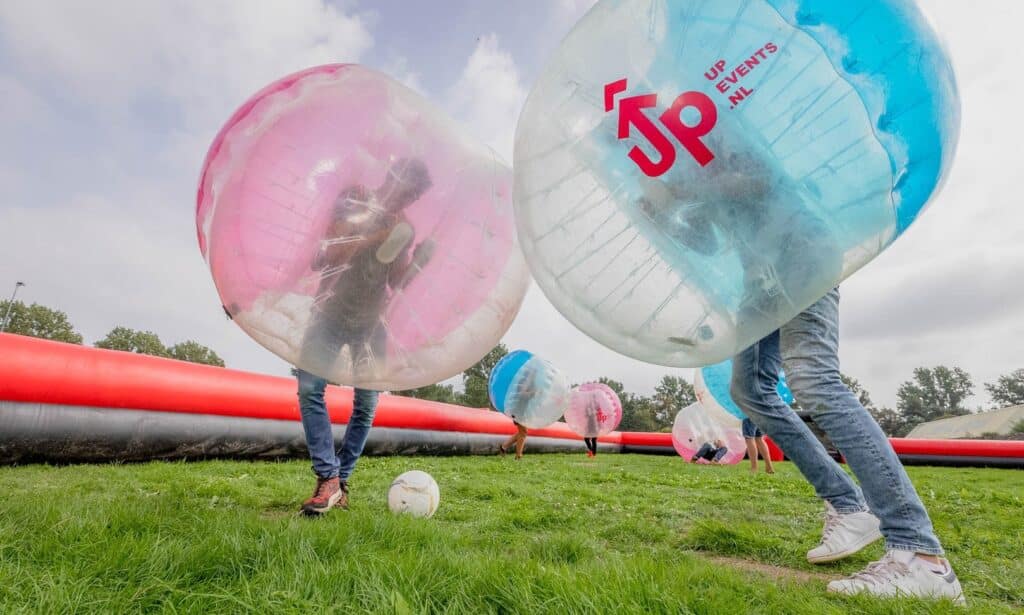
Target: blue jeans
708,452
808,348
317,425
750,429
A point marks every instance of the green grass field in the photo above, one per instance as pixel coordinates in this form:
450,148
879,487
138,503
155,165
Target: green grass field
549,534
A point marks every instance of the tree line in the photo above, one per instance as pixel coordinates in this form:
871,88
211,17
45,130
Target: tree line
932,393
47,323
936,393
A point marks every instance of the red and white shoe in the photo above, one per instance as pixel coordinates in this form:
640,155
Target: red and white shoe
329,492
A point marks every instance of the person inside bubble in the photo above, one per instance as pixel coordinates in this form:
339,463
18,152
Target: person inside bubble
745,211
526,397
364,254
594,416
711,452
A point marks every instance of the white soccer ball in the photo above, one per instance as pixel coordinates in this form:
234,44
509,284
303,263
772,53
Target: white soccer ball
415,493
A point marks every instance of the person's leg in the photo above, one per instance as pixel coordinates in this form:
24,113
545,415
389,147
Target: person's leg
751,453
320,441
755,374
508,444
521,441
810,348
702,452
364,404
762,447
317,424
512,441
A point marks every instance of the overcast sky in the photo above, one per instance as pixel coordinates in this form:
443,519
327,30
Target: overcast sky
108,108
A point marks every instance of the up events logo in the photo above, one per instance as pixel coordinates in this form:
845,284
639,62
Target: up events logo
632,116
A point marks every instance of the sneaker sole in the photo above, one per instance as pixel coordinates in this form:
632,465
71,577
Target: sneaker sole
856,547
960,599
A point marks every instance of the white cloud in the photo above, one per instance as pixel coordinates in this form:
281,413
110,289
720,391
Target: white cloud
489,95
399,69
204,56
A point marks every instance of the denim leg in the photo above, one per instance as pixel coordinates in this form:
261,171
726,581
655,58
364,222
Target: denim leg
755,374
317,424
703,452
810,350
364,404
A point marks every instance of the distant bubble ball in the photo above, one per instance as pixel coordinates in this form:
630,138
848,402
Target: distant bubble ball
530,390
690,175
698,427
594,410
355,231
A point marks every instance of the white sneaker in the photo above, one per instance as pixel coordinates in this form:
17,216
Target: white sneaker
902,573
844,535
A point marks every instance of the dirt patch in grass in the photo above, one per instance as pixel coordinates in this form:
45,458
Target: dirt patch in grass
769,570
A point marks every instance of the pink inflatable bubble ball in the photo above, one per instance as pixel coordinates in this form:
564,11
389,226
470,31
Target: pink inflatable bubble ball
700,433
355,231
594,410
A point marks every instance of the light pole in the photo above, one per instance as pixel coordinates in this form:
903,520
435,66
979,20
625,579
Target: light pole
3,325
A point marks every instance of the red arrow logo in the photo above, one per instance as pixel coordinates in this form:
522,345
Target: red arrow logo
631,115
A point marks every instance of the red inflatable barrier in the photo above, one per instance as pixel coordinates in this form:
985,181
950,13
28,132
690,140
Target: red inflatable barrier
958,448
77,376
34,371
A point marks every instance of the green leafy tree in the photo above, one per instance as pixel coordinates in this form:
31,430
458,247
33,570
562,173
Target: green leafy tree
474,379
932,394
671,395
130,340
194,352
891,421
857,389
638,412
1008,389
444,393
39,321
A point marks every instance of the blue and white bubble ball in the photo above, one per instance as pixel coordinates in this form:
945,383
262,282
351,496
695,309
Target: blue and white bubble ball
530,390
691,174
